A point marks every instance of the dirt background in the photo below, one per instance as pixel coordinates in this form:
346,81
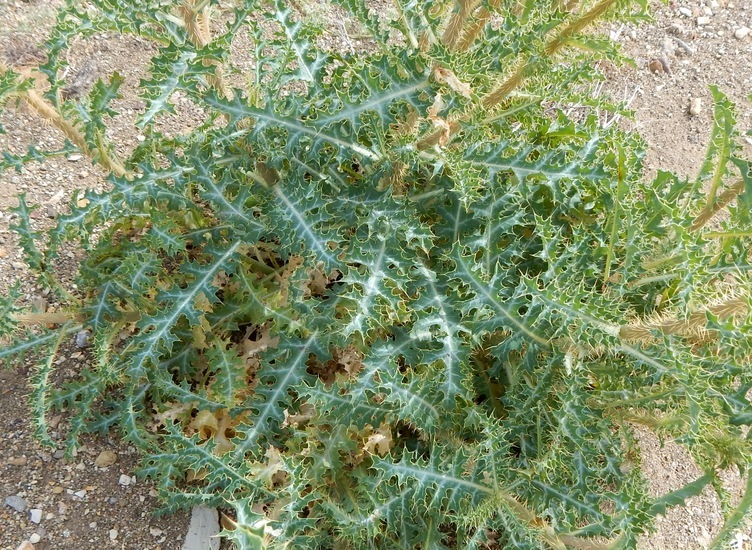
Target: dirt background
86,506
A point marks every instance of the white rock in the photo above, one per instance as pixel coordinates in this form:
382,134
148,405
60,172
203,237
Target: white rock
25,545
203,529
703,20
82,341
35,514
74,158
686,12
695,106
124,480
34,538
741,33
114,534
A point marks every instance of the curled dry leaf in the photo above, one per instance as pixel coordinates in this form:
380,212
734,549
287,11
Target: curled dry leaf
450,79
438,122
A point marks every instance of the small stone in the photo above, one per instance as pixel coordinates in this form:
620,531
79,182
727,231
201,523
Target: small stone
655,66
203,529
34,538
685,11
74,158
57,490
93,525
18,461
35,515
82,338
60,453
39,304
3,253
741,33
18,265
124,480
703,20
25,545
113,534
16,502
695,106
155,532
105,458
56,198
80,494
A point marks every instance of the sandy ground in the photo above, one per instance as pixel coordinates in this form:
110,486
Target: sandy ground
86,506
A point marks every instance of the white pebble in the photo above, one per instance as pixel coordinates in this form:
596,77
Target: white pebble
113,534
34,538
703,20
695,106
741,33
124,480
35,514
82,338
686,12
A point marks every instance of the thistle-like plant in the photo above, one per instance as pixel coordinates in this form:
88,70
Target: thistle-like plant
410,295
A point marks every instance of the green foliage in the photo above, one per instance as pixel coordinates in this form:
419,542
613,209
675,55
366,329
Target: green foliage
396,297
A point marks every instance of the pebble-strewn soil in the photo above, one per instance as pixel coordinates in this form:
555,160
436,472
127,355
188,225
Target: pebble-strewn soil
57,503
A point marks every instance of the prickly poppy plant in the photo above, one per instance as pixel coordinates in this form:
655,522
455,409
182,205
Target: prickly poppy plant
414,294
